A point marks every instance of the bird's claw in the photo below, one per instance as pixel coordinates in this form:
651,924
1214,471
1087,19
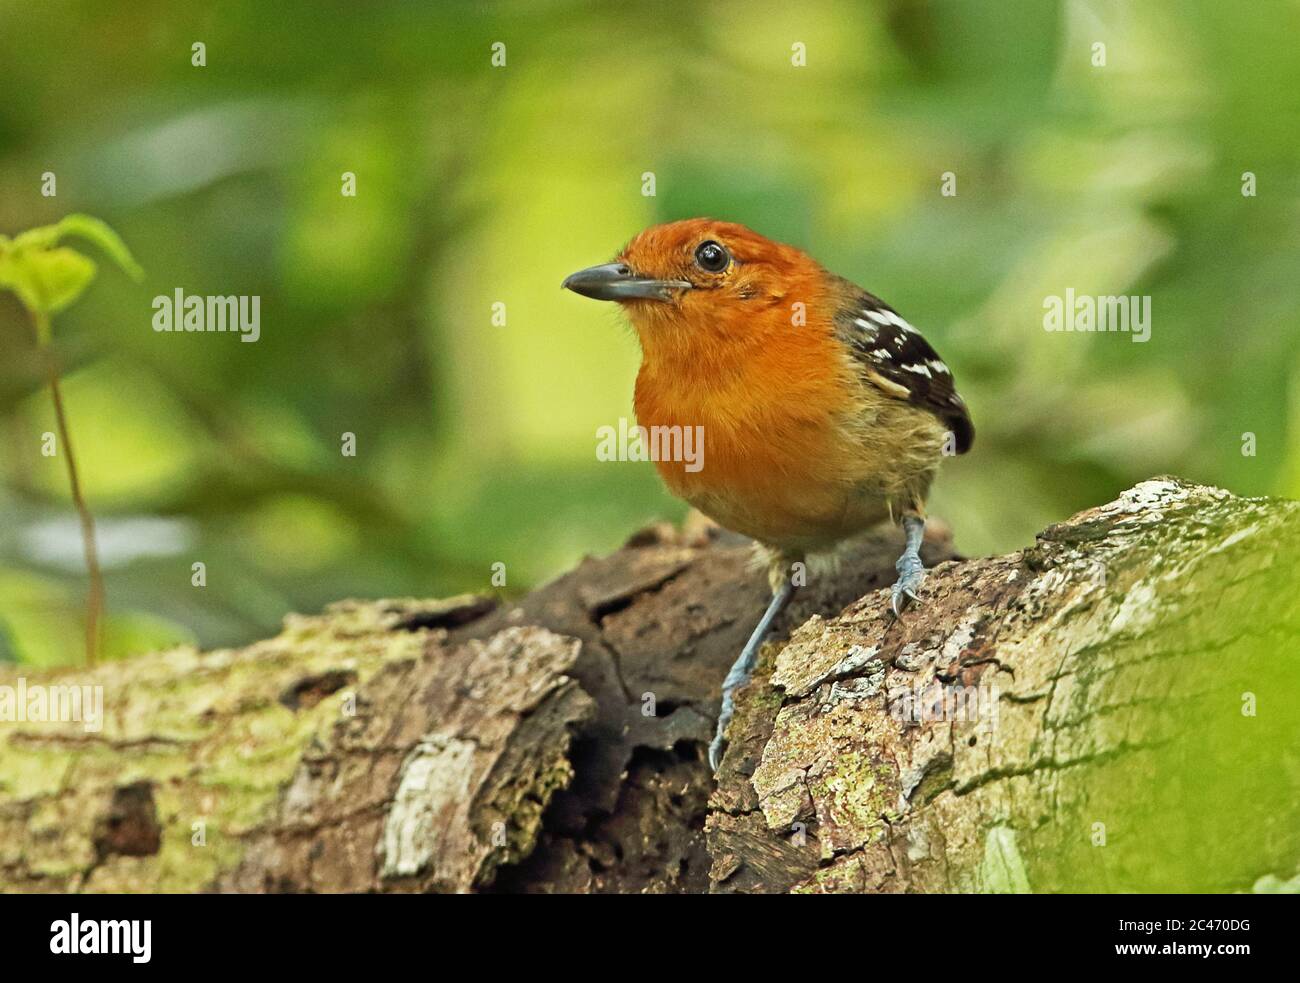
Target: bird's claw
715,753
911,574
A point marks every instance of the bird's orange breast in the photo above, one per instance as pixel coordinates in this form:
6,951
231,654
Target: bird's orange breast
771,403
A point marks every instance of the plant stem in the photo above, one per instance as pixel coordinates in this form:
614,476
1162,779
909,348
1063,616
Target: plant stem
95,599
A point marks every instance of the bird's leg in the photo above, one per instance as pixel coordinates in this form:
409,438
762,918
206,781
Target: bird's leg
743,667
911,572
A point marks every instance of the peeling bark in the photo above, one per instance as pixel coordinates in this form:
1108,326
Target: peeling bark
1074,716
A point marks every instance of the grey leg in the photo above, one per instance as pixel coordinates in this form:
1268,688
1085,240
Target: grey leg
910,570
743,667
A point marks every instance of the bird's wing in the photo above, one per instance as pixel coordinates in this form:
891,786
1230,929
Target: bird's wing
898,361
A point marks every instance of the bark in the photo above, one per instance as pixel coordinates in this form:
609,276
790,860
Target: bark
1113,708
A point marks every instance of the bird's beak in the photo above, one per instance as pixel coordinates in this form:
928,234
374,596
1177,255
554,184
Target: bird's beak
616,281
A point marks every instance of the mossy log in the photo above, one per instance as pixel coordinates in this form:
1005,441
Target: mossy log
1113,708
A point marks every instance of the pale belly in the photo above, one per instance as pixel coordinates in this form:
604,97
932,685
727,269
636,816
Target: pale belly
806,497
814,523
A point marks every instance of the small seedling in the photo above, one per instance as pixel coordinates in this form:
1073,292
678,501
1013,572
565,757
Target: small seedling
48,278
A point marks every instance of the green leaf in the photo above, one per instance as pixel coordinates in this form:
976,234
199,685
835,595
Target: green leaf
93,230
47,277
47,280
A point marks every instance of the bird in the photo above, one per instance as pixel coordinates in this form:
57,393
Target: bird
822,413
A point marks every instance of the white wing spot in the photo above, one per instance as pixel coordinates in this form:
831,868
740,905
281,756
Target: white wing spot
938,366
897,321
918,368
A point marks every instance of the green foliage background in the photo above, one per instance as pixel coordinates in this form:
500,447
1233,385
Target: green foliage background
477,185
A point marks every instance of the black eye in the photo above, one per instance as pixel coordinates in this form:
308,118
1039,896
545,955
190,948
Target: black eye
711,256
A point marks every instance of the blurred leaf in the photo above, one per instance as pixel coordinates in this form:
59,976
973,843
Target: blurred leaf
49,278
43,620
135,442
297,534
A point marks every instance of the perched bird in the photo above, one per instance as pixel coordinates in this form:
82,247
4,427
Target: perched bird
823,412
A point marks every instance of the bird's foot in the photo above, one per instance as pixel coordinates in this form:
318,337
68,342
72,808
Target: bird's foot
716,747
911,574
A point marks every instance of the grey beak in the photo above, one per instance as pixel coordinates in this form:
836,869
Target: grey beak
616,281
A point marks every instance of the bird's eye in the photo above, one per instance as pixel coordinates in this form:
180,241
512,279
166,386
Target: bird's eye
711,257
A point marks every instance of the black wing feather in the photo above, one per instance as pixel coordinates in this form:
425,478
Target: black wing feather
892,349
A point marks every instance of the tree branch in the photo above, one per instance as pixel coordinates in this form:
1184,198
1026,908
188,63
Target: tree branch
1113,708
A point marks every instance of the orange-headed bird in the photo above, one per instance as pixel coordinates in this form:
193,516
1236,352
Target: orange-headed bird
823,412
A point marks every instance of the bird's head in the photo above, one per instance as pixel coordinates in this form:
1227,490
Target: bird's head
711,280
